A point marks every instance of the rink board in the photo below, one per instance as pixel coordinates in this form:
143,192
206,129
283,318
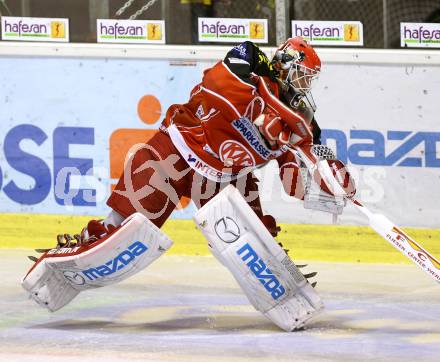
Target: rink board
69,114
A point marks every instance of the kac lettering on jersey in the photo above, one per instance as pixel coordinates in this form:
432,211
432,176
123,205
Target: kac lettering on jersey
249,133
369,147
261,271
121,261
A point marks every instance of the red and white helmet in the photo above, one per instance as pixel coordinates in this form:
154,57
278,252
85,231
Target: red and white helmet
298,63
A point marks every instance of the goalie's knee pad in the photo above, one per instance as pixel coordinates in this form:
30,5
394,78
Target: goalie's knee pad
61,273
270,280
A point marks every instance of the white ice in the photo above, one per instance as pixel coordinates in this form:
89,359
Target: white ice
191,309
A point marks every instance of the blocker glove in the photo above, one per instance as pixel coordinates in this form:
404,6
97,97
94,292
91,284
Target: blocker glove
273,129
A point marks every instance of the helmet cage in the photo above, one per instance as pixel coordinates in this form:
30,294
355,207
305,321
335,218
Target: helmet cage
299,64
300,77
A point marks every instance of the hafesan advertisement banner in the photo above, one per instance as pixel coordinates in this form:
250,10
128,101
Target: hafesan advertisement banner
230,30
35,29
130,31
420,35
336,33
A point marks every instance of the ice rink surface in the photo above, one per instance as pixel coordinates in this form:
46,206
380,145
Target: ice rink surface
191,309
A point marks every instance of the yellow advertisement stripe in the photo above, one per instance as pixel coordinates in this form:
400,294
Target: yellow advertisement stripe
331,243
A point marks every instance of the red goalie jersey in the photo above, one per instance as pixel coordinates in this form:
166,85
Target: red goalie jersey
214,131
216,135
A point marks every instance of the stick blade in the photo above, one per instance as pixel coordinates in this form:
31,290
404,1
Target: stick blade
406,245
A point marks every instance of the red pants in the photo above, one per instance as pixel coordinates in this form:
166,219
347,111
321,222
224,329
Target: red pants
157,176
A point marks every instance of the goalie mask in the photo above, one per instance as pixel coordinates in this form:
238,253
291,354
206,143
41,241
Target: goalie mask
298,65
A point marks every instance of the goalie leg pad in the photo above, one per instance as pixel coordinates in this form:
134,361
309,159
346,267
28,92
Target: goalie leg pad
270,280
60,274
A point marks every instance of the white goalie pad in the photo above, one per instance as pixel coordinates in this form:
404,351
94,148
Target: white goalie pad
270,280
60,274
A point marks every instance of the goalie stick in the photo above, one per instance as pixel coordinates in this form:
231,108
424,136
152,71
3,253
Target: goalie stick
401,241
378,222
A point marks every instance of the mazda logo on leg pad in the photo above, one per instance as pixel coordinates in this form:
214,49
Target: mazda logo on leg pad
227,229
73,277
